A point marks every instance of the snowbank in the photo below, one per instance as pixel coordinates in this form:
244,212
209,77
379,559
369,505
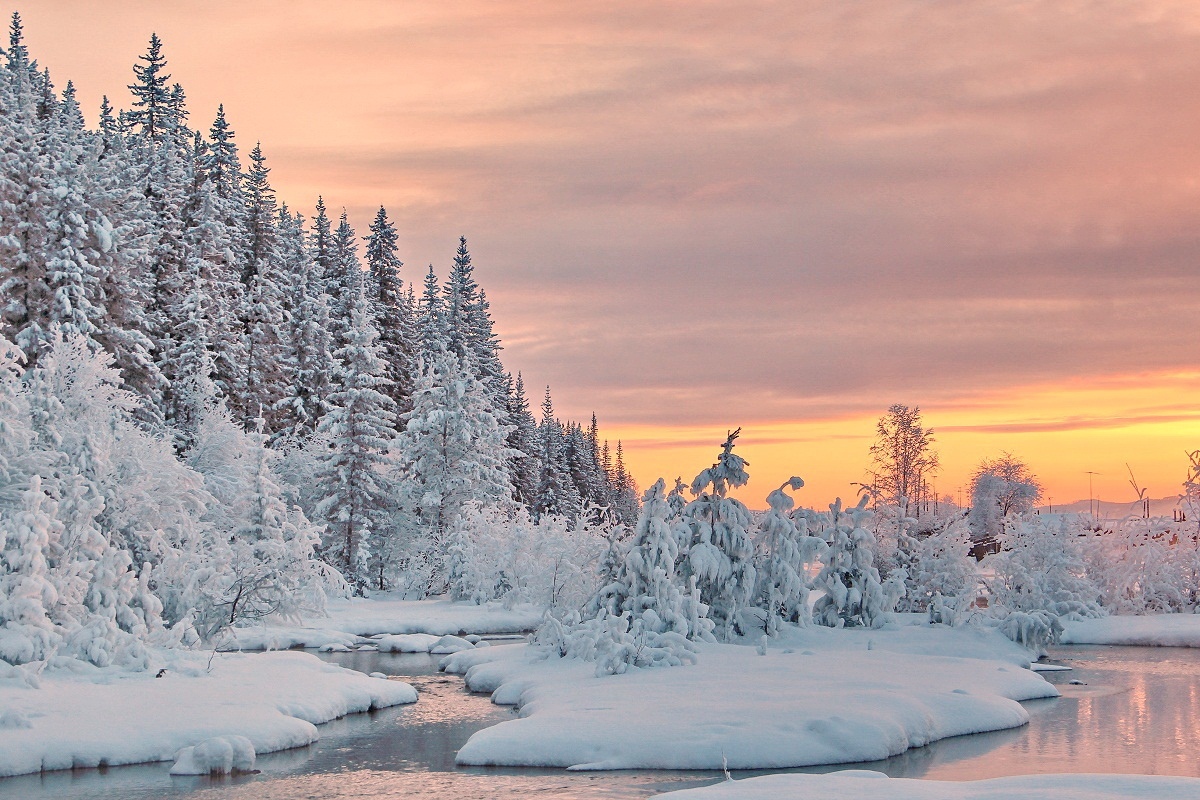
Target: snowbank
826,704
368,616
87,717
860,783
1155,630
349,621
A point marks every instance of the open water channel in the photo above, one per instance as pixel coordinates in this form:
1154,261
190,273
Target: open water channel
1123,709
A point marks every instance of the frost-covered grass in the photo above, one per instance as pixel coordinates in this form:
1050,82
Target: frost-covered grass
819,697
861,783
1156,630
349,621
85,716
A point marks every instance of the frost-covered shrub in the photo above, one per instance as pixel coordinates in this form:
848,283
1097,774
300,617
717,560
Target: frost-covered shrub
1041,567
502,554
853,593
257,559
615,642
943,568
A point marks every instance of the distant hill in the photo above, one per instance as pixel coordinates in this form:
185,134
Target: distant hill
1162,506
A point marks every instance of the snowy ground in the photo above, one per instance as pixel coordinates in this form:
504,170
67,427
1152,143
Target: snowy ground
349,621
859,783
1156,630
819,697
87,717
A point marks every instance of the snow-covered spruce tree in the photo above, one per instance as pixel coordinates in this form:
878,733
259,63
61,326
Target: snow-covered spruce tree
556,493
431,320
645,586
525,467
216,237
263,303
343,282
1041,568
453,453
623,490
354,470
468,325
258,557
390,309
308,363
719,551
785,551
854,595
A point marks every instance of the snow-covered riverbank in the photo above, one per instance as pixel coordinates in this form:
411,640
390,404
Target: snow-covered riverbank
88,717
1152,630
826,697
350,621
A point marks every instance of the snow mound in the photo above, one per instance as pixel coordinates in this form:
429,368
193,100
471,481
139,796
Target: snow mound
736,707
86,716
220,755
861,783
450,644
407,643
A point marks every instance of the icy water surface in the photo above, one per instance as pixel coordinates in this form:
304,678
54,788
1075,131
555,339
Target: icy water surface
1135,710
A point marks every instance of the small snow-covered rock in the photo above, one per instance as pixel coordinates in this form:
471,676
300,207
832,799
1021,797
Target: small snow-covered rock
450,644
220,755
407,643
473,638
333,648
378,675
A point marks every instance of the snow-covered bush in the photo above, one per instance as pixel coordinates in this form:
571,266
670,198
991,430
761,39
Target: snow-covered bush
502,554
853,593
1041,567
1145,565
257,559
785,551
942,569
614,642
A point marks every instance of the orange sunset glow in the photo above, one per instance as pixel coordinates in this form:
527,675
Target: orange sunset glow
696,216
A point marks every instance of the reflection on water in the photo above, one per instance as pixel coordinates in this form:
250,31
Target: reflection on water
1135,711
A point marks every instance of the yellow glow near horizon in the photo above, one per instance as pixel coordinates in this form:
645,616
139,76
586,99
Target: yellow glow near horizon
1147,421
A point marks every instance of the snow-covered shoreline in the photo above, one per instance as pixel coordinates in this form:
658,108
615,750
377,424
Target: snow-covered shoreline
861,783
349,622
844,698
89,717
1152,630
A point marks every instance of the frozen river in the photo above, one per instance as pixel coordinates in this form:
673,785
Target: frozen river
1133,709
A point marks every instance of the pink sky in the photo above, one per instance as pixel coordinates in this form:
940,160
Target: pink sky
691,216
